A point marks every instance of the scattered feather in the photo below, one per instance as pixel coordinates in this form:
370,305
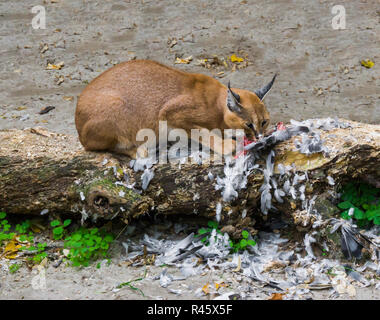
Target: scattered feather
330,181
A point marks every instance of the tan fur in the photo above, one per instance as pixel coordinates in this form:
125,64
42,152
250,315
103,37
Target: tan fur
137,94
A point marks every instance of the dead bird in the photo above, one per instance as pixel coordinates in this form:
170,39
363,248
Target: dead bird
278,135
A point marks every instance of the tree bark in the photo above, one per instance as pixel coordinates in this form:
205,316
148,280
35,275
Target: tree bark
42,171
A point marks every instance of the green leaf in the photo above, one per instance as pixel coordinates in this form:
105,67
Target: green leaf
77,244
77,237
108,238
345,205
243,243
90,243
2,215
358,214
251,242
41,246
245,234
58,230
345,215
376,221
372,214
66,222
14,267
104,245
55,223
202,231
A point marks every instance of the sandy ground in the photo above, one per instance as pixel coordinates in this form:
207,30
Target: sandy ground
319,68
319,76
65,282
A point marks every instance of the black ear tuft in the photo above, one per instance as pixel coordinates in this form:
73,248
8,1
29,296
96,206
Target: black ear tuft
262,92
234,94
233,100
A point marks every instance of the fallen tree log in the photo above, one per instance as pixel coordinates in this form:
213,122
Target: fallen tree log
45,172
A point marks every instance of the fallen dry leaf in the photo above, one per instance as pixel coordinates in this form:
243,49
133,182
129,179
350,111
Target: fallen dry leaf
172,42
40,131
55,66
68,98
220,285
367,63
44,48
220,74
183,61
235,58
202,62
205,288
11,249
59,80
276,296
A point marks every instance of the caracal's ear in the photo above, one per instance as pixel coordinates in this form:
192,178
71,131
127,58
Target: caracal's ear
262,92
233,100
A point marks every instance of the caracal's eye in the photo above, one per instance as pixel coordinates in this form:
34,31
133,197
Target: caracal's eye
251,126
264,123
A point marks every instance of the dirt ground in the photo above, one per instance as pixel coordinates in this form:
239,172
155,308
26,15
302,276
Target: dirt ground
63,282
319,68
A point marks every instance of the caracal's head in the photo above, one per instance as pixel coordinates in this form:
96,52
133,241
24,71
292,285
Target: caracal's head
246,110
